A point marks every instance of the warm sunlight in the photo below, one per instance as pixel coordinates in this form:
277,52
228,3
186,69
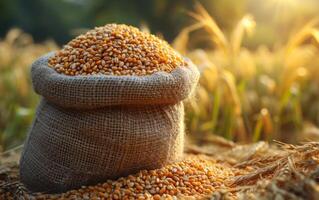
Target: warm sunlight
159,99
283,8
287,3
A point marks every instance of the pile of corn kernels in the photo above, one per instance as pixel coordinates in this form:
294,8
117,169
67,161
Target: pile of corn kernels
115,50
194,177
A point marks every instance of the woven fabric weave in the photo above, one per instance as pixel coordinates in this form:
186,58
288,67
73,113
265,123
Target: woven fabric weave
91,128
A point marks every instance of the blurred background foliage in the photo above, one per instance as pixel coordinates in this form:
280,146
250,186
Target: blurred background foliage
259,60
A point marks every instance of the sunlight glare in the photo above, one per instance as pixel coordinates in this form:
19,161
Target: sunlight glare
285,3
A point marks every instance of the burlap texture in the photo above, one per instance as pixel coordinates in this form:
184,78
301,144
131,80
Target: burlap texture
91,128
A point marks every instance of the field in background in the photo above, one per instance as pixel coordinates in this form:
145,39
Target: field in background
18,100
244,95
248,95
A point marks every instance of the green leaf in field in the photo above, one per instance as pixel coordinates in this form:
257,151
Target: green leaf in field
258,129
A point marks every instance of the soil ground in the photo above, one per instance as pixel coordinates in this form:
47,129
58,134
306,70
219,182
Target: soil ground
261,171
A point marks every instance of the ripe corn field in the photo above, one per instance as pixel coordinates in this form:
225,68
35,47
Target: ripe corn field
245,95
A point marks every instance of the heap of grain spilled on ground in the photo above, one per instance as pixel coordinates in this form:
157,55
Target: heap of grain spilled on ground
195,176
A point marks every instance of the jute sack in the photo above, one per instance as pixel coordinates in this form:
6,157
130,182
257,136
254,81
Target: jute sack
91,128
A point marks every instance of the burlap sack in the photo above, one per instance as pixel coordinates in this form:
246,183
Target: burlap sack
91,128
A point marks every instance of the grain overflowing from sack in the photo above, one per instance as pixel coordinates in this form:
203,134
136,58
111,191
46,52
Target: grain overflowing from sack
130,122
115,50
193,177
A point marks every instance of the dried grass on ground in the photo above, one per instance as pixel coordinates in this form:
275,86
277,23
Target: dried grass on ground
259,171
